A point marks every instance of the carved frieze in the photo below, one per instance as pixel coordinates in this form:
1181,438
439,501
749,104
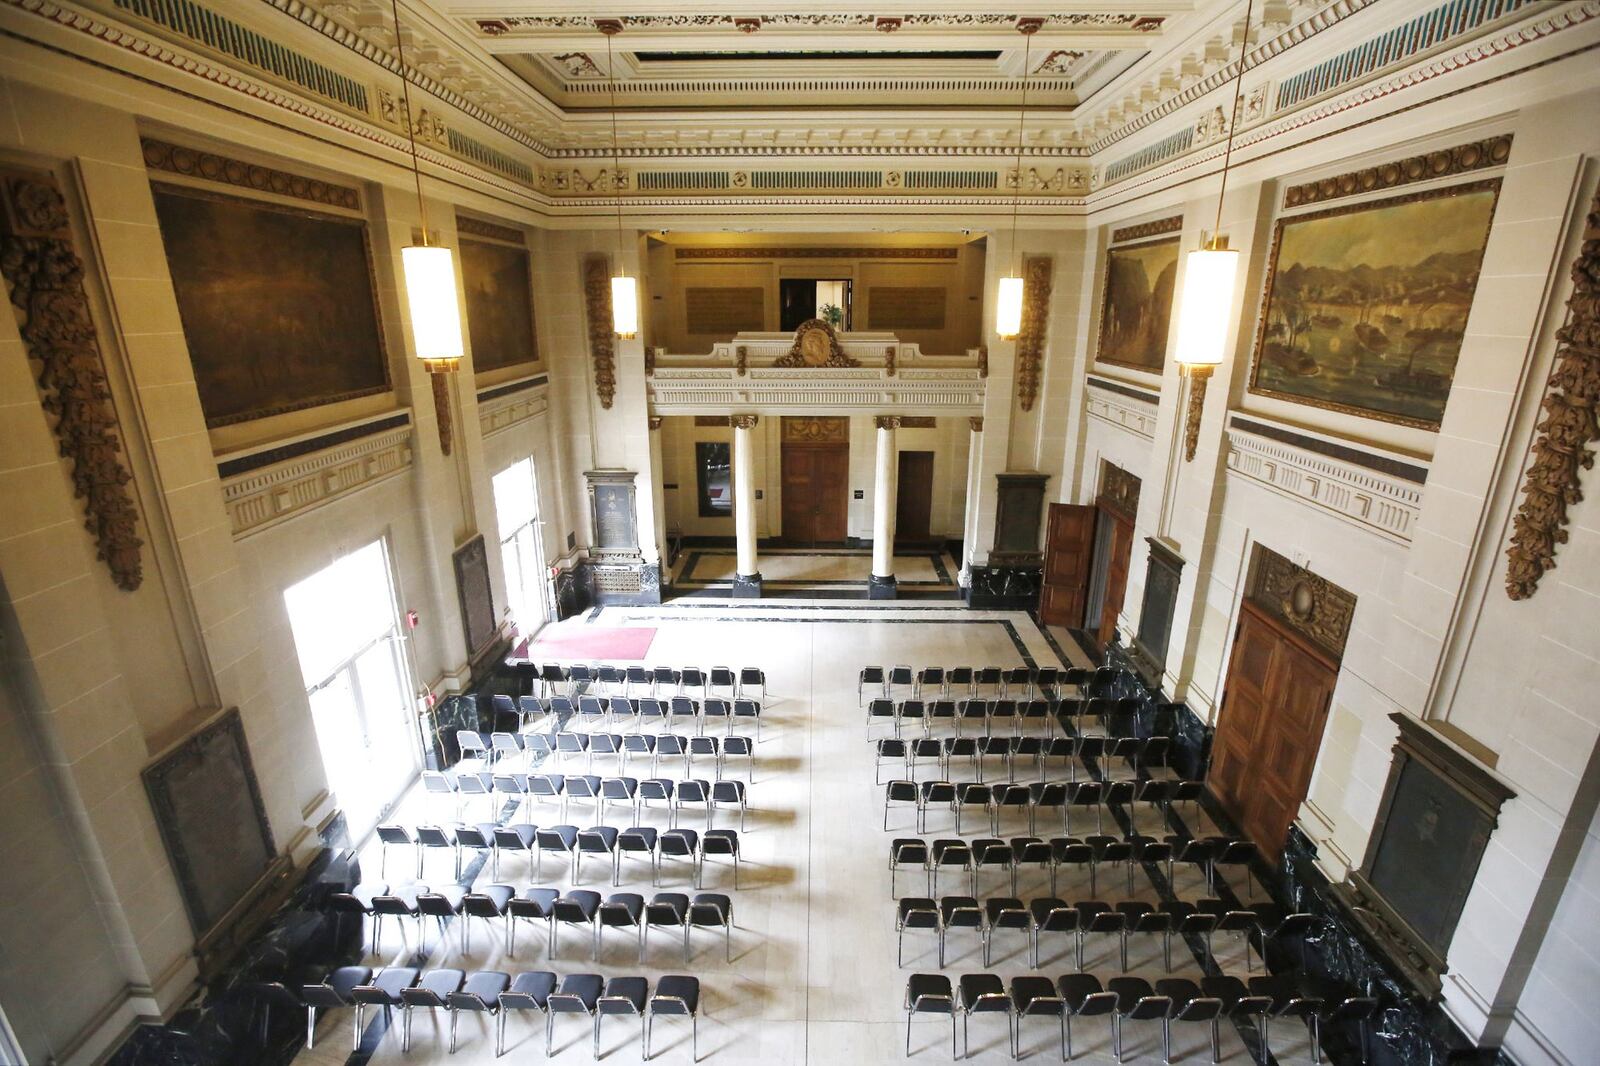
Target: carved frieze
1462,159
816,345
1036,282
823,252
918,422
1561,451
815,430
1119,489
602,342
1142,230
193,163
1307,603
266,494
468,226
44,279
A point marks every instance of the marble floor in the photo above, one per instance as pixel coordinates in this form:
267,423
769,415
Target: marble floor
819,569
813,977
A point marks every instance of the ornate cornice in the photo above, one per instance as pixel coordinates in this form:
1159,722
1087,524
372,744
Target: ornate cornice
512,409
1562,451
1462,159
1147,229
44,277
193,163
263,498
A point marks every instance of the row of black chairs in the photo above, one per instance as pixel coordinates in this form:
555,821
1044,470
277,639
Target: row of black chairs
1034,918
993,799
609,679
631,792
984,717
1011,857
569,744
1013,682
602,712
498,995
1126,999
570,841
1031,755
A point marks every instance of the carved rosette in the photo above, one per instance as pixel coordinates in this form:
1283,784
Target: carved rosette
44,278
602,346
1036,282
1561,451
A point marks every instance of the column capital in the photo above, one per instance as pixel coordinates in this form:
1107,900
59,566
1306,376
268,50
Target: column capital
746,421
654,421
976,424
887,421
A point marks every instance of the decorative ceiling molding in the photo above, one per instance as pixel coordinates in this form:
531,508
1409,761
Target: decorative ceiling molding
1462,159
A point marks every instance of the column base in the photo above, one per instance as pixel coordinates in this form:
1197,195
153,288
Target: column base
881,588
747,586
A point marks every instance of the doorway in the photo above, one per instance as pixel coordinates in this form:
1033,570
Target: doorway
913,515
816,486
346,629
516,505
801,299
1069,530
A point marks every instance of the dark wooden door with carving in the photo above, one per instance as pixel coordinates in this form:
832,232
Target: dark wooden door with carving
816,492
1274,707
914,497
1121,556
1068,543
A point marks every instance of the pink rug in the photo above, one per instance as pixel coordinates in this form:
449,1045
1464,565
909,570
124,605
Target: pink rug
584,642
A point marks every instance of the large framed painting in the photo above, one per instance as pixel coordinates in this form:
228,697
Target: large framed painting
1137,308
499,286
1366,305
278,305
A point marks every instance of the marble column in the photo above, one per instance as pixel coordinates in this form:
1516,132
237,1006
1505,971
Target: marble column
881,585
969,521
663,569
747,578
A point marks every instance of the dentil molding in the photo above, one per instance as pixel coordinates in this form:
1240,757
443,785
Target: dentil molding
266,497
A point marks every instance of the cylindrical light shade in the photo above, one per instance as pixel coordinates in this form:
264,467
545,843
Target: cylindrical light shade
624,306
1208,280
1008,309
431,295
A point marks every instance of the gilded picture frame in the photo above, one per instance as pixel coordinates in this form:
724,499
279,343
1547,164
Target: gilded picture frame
1134,325
1365,305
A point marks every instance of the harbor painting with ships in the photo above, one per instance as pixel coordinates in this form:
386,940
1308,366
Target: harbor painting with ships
1366,305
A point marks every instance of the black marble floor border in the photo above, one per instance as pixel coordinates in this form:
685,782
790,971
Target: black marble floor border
936,558
854,591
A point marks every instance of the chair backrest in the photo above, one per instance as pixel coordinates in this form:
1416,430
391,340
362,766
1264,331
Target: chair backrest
395,834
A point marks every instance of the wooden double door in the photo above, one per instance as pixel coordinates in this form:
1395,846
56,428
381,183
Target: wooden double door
816,492
1088,548
1274,707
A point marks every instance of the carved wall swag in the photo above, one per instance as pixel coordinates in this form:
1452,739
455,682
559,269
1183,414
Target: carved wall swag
815,345
191,162
1561,451
1463,158
1309,604
1036,281
44,279
815,430
602,342
1147,229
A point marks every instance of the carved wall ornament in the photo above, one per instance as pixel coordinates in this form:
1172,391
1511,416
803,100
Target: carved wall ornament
193,163
712,421
1037,273
442,411
468,226
975,424
602,341
742,354
815,345
649,361
44,279
1198,376
745,421
1141,230
1463,158
887,422
654,422
1561,451
1309,604
1119,489
820,430
983,361
918,422
888,361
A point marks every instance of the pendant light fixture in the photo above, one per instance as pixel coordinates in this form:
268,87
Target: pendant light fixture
1008,303
1209,276
624,290
430,269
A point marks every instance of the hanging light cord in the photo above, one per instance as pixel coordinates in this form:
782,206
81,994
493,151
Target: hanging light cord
411,126
1022,118
1233,118
616,156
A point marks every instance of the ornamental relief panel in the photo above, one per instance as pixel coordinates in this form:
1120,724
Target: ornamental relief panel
1311,605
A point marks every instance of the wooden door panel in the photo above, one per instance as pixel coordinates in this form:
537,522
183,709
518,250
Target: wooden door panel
1275,705
1069,544
1116,578
914,496
815,492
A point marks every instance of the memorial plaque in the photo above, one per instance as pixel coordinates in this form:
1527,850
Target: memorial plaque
475,595
905,307
724,311
1159,605
616,532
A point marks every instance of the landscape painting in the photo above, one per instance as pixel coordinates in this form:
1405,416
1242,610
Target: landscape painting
1138,304
1366,305
499,304
277,304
